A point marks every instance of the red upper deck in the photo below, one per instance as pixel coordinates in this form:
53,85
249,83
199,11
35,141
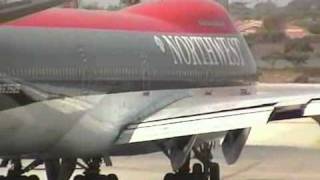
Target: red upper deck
171,16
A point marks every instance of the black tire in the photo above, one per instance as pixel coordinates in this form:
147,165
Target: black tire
197,168
21,178
11,173
169,176
33,177
79,177
197,172
103,177
112,177
214,171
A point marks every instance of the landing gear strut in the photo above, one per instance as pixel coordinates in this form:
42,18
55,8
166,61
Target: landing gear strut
57,170
16,170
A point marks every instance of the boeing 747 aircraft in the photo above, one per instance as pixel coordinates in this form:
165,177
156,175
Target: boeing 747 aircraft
171,76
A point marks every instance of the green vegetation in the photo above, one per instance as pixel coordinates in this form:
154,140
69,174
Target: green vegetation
301,9
297,58
299,45
302,13
113,7
273,23
314,27
272,58
298,51
240,10
265,9
92,6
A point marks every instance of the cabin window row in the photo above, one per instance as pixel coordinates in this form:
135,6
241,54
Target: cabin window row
115,73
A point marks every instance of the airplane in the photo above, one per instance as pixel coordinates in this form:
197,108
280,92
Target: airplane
171,76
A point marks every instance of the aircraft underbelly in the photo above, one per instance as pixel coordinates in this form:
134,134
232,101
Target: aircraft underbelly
52,127
84,125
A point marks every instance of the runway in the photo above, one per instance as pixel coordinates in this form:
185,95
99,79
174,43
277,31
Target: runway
256,163
268,156
286,150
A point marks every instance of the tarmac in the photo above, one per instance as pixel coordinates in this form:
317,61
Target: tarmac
279,151
256,163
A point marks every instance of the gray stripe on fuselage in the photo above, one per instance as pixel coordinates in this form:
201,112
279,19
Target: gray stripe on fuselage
80,61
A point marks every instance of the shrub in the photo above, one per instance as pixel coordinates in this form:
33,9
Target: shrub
314,28
298,45
273,57
297,58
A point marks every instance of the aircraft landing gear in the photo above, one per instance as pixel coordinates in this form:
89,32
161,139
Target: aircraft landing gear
57,170
206,170
214,171
203,153
197,173
16,171
92,171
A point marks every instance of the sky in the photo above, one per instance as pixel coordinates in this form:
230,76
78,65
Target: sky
252,2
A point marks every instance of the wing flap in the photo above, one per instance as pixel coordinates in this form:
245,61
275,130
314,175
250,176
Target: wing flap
196,124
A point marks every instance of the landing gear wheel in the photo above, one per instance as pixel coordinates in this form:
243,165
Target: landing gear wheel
79,177
19,178
101,177
197,171
197,168
112,177
33,177
169,176
214,171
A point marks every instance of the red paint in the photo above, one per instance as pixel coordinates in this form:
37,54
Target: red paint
172,16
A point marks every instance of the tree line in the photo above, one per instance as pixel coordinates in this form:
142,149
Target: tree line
304,13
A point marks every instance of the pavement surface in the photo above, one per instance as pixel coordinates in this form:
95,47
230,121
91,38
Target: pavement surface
279,151
256,163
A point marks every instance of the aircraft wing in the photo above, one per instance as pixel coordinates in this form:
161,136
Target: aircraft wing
201,115
14,9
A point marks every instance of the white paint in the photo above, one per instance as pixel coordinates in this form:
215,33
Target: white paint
200,124
312,109
199,51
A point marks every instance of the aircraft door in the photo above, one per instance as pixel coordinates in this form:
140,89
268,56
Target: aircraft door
145,75
84,71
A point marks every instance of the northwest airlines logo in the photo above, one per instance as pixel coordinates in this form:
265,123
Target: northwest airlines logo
195,50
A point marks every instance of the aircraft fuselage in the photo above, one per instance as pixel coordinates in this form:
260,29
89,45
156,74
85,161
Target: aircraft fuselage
46,58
